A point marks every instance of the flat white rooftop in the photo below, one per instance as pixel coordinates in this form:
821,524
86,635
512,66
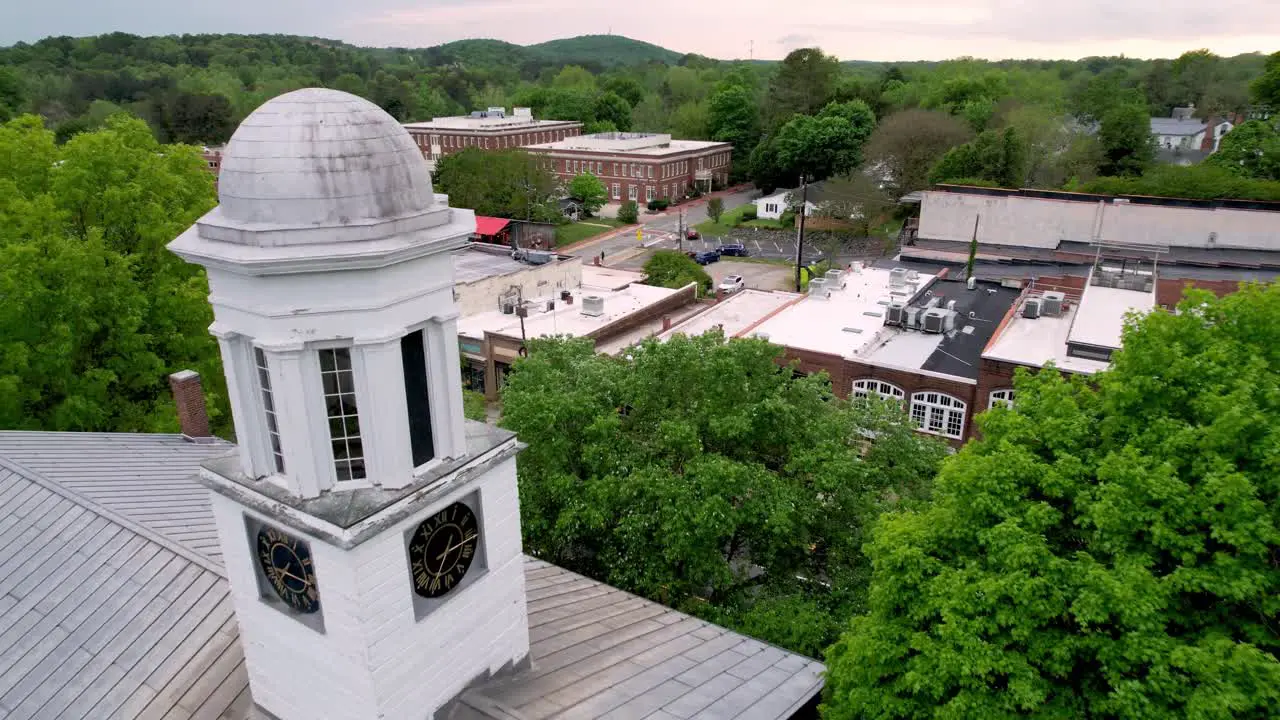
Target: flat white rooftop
843,324
737,313
566,319
1100,320
655,145
607,278
1035,342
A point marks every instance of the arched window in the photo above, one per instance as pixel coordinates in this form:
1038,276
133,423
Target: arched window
1001,397
938,413
864,388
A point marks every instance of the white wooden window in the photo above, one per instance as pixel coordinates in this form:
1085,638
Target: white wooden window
1001,397
938,413
865,388
617,191
340,405
269,408
649,172
632,192
648,193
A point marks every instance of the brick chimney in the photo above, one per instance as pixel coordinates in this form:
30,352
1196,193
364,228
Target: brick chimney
193,416
666,322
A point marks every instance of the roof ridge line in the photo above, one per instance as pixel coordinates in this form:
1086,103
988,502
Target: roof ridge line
113,516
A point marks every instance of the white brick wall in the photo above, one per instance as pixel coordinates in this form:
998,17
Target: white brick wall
374,660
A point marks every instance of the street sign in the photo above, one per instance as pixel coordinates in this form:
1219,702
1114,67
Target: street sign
639,235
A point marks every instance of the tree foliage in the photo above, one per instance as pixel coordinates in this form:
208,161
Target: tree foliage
715,208
997,157
1202,182
907,144
702,474
587,189
1125,136
1266,87
671,269
1251,150
814,146
499,183
1104,550
95,312
629,212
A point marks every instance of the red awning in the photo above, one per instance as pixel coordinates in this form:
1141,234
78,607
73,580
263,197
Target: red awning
490,225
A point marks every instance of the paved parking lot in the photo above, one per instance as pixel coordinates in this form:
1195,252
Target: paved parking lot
756,275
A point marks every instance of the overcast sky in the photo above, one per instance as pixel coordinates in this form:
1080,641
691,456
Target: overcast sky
850,29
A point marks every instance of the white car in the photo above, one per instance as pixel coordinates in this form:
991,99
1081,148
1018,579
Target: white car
731,284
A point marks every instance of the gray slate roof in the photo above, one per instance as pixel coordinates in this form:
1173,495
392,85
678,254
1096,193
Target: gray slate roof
1170,126
101,617
113,605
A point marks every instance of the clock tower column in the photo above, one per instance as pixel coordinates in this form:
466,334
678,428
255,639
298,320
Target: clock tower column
371,536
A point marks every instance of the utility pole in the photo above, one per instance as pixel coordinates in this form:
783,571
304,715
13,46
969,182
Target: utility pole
804,205
680,232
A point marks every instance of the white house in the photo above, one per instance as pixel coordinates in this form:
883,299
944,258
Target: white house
1182,131
772,206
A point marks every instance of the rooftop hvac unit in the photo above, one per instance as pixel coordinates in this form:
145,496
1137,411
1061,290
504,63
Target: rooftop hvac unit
834,278
1031,308
593,305
539,257
497,111
898,276
972,283
913,318
951,304
508,308
522,112
855,266
818,288
1052,305
913,275
896,314
934,319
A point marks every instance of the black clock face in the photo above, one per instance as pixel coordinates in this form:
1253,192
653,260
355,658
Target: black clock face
286,561
441,550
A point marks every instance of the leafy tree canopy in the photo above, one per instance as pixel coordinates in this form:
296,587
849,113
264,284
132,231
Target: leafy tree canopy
588,190
671,269
998,157
702,474
1104,550
1204,182
1251,150
500,183
1125,136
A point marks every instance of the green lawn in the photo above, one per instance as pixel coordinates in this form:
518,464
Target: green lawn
731,219
585,230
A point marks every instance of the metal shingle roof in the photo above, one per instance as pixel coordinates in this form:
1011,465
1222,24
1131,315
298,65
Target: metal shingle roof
150,632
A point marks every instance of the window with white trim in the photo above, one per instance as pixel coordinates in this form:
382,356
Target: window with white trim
338,381
269,408
632,192
617,191
938,413
865,388
648,193
1001,397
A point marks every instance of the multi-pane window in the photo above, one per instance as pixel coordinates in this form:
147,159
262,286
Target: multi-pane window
1002,398
617,191
648,193
864,388
269,408
938,413
632,191
340,406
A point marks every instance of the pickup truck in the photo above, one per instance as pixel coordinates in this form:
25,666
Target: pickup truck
731,284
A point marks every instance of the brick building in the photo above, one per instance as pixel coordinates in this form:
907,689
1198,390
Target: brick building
641,166
492,129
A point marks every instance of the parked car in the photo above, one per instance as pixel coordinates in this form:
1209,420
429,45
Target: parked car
733,249
706,257
731,284
691,234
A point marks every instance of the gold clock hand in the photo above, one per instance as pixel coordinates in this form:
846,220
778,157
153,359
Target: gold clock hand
451,548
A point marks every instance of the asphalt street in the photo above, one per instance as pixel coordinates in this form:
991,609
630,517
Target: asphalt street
658,230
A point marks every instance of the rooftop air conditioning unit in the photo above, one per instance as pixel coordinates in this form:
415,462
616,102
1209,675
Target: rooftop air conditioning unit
835,279
934,320
593,305
1031,308
913,275
896,313
1052,305
818,288
508,308
898,277
913,318
539,257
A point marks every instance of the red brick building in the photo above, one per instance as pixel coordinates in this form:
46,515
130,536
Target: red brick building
492,129
641,166
213,158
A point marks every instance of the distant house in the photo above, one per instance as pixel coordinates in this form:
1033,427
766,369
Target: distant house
1184,132
571,209
773,205
492,230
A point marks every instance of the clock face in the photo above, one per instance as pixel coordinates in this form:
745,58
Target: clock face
441,550
286,561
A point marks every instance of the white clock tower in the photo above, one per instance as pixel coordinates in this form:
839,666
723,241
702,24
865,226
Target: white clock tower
371,535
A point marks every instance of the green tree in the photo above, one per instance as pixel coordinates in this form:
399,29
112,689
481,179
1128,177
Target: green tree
998,157
1125,135
626,88
12,94
1205,181
671,269
907,144
1265,89
690,121
351,83
857,200
819,146
715,208
804,83
611,108
1104,550
629,212
701,473
587,189
500,183
1251,149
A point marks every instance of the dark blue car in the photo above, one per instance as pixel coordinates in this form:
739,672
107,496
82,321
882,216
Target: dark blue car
733,249
706,257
